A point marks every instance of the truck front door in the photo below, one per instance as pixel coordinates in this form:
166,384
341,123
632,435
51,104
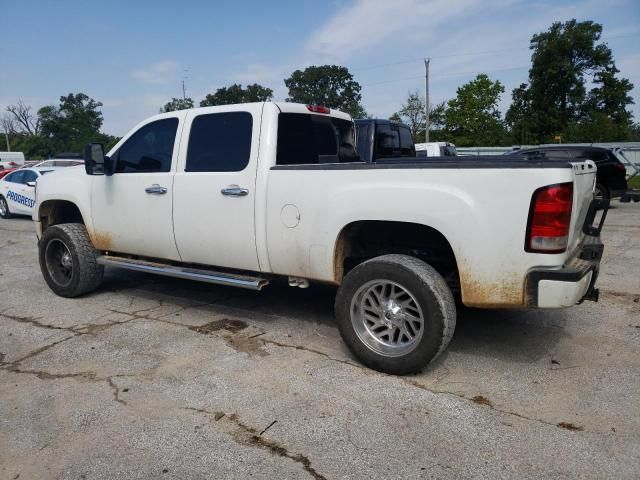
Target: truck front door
132,209
214,189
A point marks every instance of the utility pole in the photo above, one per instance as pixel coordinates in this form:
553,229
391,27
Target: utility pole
184,91
426,99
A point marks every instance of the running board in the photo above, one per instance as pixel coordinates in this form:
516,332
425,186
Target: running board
207,276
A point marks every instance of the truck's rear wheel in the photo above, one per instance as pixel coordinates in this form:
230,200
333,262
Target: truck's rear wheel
395,313
68,260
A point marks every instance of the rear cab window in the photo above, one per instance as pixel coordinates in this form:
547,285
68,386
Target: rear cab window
220,142
407,147
387,141
307,139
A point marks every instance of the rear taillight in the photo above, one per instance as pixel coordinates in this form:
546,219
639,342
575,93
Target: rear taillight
318,109
620,166
550,219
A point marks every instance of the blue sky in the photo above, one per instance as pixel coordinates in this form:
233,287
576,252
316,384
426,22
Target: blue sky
132,56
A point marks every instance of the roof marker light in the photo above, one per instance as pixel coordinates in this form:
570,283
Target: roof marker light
318,109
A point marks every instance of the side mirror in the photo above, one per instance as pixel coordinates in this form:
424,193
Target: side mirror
94,159
31,184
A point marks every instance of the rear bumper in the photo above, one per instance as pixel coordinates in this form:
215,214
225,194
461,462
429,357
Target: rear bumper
575,281
564,287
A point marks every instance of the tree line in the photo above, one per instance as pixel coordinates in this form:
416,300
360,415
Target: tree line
554,105
329,85
573,93
54,129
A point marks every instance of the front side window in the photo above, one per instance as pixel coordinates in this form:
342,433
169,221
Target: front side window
29,176
220,142
150,149
310,139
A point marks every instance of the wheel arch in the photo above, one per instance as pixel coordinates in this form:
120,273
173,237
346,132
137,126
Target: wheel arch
361,240
55,212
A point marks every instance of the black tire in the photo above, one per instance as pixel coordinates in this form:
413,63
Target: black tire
4,208
424,288
68,260
602,192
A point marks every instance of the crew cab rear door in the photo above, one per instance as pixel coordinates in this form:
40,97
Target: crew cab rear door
214,188
131,209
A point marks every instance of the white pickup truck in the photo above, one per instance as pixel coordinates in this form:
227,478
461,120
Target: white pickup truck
243,194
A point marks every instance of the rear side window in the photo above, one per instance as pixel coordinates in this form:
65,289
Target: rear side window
309,139
551,153
15,177
150,149
220,142
595,155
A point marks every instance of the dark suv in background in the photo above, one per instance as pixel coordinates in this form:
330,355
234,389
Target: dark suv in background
611,179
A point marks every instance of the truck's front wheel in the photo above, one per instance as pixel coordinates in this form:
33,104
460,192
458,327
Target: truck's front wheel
395,313
68,260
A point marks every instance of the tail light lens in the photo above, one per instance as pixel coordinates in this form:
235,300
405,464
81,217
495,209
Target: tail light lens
550,219
620,166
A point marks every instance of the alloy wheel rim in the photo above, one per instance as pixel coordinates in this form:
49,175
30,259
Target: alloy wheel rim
59,262
3,206
387,318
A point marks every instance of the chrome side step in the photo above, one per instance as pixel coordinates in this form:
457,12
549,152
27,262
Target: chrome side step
207,276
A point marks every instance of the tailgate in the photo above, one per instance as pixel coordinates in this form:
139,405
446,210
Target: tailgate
584,179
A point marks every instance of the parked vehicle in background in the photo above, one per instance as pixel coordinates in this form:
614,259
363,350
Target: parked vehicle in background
240,195
7,168
611,179
17,190
436,149
377,138
59,162
16,158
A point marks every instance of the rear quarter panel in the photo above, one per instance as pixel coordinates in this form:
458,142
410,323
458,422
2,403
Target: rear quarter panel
481,212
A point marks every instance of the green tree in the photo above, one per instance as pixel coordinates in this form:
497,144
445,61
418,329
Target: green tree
519,116
236,94
472,118
565,59
412,114
72,124
177,104
329,85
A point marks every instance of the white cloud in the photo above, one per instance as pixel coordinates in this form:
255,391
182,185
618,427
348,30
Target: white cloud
259,73
158,73
366,24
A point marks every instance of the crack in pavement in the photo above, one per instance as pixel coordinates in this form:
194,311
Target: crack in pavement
116,391
248,436
137,315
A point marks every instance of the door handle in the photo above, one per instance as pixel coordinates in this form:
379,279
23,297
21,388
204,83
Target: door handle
156,189
235,191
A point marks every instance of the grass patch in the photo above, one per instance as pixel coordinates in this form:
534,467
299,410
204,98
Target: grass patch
635,182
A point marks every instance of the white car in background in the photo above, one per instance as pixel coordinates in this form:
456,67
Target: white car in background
59,162
18,190
436,149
